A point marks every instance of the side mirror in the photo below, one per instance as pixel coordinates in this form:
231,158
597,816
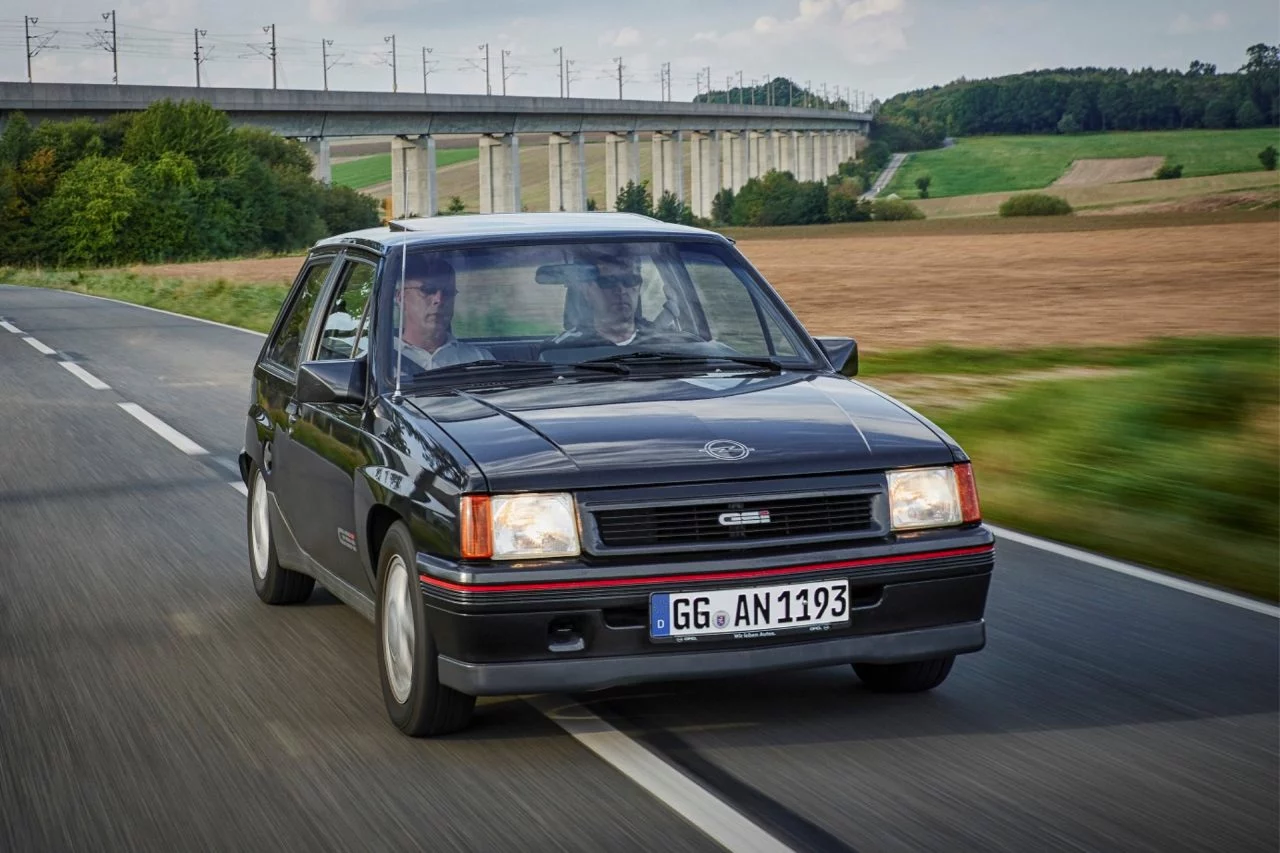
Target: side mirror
842,353
337,381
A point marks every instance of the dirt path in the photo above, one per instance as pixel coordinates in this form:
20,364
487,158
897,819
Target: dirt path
1109,171
993,290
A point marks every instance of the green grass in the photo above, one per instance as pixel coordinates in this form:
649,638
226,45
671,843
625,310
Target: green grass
1175,466
983,164
250,306
374,170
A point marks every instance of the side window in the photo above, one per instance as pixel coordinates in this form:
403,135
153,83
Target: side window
345,330
284,349
730,310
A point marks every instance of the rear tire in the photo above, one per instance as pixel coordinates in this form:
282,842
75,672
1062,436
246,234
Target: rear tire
911,677
273,583
417,703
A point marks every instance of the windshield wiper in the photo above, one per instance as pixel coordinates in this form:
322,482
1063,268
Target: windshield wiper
494,364
685,358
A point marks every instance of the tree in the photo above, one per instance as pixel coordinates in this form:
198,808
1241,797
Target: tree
456,206
1267,156
634,198
192,128
671,209
722,206
17,143
1249,115
1069,124
90,209
922,184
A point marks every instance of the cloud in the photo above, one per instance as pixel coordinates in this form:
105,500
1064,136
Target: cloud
1184,24
627,37
857,31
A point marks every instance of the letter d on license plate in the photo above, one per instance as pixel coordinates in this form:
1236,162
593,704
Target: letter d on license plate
819,604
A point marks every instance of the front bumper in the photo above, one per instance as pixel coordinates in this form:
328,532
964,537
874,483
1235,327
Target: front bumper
536,637
554,676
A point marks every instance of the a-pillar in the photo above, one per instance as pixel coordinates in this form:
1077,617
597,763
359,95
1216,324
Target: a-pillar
500,173
705,179
322,171
413,177
566,157
621,164
668,165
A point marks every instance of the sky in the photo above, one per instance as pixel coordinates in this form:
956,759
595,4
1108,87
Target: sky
867,48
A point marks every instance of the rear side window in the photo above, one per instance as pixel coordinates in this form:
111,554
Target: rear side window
285,348
345,331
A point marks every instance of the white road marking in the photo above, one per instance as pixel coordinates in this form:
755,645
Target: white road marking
40,347
241,488
733,830
163,430
1138,572
9,327
85,376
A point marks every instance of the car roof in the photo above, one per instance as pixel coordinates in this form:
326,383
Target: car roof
466,228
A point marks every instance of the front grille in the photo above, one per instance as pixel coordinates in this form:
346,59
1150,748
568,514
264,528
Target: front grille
688,524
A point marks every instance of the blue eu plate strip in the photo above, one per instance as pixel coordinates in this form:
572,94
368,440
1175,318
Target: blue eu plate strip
660,615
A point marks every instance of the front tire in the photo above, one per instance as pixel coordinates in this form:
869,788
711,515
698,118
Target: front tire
273,583
418,704
911,677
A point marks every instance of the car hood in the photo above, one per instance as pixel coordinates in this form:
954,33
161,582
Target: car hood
582,433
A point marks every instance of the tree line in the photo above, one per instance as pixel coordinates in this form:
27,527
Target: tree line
1075,100
175,182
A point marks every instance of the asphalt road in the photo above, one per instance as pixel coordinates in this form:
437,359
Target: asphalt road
148,701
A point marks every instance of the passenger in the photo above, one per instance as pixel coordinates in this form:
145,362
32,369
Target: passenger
430,288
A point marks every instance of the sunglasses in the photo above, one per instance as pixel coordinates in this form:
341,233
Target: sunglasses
611,282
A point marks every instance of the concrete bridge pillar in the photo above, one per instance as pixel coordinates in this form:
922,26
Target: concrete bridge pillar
621,164
705,178
789,148
820,156
804,155
833,152
500,173
413,176
757,154
668,165
737,159
566,158
322,171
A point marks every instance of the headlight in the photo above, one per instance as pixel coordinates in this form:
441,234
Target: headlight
924,497
514,527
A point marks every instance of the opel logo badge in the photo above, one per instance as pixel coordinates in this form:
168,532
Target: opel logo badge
723,448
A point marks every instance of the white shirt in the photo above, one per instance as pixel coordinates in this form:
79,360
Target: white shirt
452,351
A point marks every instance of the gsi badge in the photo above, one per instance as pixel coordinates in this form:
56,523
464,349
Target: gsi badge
733,519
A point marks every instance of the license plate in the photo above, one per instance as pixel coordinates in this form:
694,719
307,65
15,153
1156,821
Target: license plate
749,611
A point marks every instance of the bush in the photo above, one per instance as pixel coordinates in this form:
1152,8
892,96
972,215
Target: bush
922,184
1034,204
1267,156
1167,171
844,202
894,210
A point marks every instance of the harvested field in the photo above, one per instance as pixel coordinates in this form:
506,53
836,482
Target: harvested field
906,290
1113,170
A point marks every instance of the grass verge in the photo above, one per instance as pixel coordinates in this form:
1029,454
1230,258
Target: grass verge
1004,163
250,306
1172,462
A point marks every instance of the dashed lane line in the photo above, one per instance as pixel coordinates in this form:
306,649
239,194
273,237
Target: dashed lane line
85,376
163,430
39,347
9,327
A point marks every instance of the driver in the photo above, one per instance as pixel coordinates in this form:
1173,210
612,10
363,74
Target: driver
430,288
613,299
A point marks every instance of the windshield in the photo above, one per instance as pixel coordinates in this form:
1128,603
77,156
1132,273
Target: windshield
530,306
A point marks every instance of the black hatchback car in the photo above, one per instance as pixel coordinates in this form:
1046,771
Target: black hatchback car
562,452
